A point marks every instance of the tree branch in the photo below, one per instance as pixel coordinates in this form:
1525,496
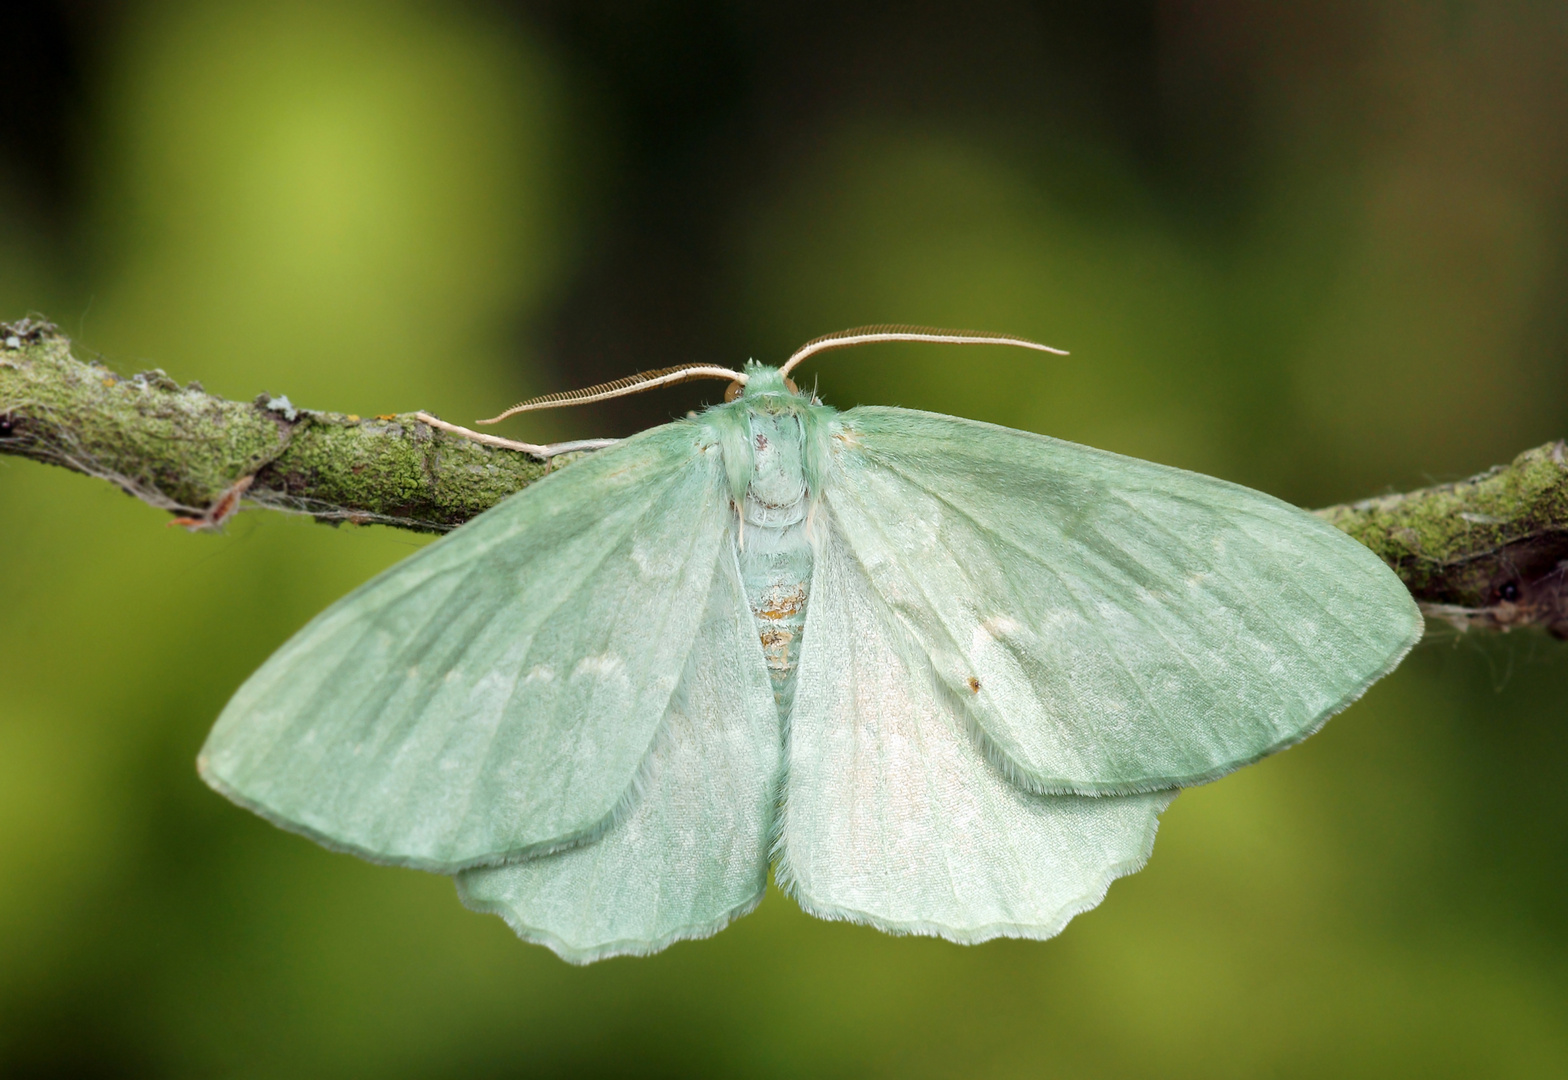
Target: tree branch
181,449
1489,552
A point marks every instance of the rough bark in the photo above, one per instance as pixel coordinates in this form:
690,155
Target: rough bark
181,449
1488,552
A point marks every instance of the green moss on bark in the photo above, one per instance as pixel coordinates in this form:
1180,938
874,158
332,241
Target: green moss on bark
1489,551
180,448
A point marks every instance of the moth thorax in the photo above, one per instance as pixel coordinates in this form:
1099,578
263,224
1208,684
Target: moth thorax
776,493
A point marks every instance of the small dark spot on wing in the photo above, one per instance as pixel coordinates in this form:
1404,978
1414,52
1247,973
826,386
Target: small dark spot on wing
974,684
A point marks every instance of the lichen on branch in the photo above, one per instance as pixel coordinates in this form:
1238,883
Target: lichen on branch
1489,552
181,449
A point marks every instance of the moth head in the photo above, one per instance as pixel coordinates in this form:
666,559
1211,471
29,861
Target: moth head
761,380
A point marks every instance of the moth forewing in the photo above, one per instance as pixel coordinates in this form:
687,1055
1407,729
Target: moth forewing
1132,627
494,695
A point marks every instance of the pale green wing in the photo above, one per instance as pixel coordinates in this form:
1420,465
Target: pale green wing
691,852
892,815
1112,625
495,694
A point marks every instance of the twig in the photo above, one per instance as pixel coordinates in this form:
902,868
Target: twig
181,449
1490,552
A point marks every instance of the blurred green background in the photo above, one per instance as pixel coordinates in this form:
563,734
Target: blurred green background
1318,248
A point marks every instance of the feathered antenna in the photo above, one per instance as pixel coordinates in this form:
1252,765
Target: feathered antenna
632,384
865,335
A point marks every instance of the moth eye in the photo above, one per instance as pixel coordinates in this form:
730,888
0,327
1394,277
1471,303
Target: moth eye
733,392
1509,591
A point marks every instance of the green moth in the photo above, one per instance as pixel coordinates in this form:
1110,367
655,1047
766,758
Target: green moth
943,676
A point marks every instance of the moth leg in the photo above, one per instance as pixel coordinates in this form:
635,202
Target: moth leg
545,451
